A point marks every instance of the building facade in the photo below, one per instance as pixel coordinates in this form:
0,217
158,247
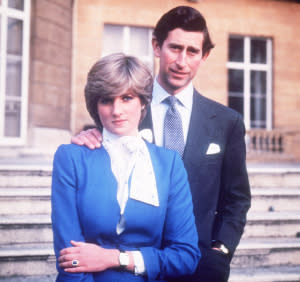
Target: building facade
48,46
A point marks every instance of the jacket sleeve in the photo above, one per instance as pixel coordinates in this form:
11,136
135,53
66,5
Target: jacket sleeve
65,219
179,253
234,200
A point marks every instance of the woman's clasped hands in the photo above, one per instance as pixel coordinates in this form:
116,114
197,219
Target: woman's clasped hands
87,257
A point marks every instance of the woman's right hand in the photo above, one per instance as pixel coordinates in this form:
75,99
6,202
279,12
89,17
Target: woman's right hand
90,258
91,138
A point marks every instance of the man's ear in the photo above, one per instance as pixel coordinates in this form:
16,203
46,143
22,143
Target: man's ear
156,47
204,57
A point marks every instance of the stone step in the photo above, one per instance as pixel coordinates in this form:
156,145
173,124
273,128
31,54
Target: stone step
267,274
272,224
23,180
273,274
272,175
267,252
23,200
31,278
275,199
31,175
27,260
25,229
37,200
38,259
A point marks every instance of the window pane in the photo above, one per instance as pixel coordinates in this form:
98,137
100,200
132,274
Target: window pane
13,78
236,81
236,49
236,90
139,41
258,51
258,83
237,103
16,4
258,99
0,31
12,118
112,39
129,40
258,112
14,36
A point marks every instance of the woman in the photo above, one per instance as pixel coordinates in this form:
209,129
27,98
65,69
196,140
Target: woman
122,212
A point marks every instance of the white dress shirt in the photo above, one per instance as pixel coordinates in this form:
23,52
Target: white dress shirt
159,109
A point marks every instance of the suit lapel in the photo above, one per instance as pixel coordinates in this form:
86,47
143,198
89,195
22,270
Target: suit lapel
147,122
200,132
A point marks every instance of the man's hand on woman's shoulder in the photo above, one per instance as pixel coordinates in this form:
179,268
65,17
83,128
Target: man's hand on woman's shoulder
90,138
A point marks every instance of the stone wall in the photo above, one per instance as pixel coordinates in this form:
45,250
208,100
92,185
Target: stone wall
50,64
278,20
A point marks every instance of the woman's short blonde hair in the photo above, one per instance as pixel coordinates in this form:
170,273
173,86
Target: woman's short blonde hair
114,75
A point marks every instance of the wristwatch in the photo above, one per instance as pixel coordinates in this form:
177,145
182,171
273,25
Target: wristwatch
220,247
123,260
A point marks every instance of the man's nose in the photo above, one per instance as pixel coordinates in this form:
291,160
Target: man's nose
181,59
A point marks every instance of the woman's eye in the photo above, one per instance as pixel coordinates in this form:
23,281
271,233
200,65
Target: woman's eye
105,101
127,98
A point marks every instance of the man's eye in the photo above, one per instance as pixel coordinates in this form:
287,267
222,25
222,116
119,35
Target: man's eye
193,52
175,48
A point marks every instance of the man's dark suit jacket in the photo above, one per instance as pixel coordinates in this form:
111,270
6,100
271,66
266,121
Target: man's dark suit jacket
219,182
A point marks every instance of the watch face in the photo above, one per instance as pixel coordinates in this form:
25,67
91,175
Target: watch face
124,259
224,249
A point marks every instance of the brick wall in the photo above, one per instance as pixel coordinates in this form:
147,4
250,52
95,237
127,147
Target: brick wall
50,64
278,20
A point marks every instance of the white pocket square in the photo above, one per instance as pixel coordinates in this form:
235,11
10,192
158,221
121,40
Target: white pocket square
213,148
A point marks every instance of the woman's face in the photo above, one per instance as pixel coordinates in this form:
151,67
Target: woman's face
120,115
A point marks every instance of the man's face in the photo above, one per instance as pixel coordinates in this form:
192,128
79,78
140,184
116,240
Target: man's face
180,57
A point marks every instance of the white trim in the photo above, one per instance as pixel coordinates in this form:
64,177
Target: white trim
269,85
125,45
247,94
246,66
126,39
25,71
24,16
3,43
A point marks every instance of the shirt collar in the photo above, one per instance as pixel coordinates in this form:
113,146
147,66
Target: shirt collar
111,137
185,96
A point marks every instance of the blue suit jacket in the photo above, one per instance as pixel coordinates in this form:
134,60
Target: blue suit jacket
85,208
219,182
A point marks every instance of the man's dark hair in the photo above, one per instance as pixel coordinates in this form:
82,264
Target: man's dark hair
186,18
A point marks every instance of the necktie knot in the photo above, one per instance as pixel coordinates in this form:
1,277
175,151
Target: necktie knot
171,101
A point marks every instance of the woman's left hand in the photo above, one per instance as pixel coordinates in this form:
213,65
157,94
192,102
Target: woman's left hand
90,258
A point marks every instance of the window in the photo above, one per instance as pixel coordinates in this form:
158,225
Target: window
131,40
250,80
14,45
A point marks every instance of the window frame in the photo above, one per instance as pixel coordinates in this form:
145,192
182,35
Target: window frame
247,67
148,59
24,16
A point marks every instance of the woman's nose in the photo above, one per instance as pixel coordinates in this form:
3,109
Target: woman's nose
117,107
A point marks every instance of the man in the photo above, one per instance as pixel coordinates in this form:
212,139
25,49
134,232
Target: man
213,151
